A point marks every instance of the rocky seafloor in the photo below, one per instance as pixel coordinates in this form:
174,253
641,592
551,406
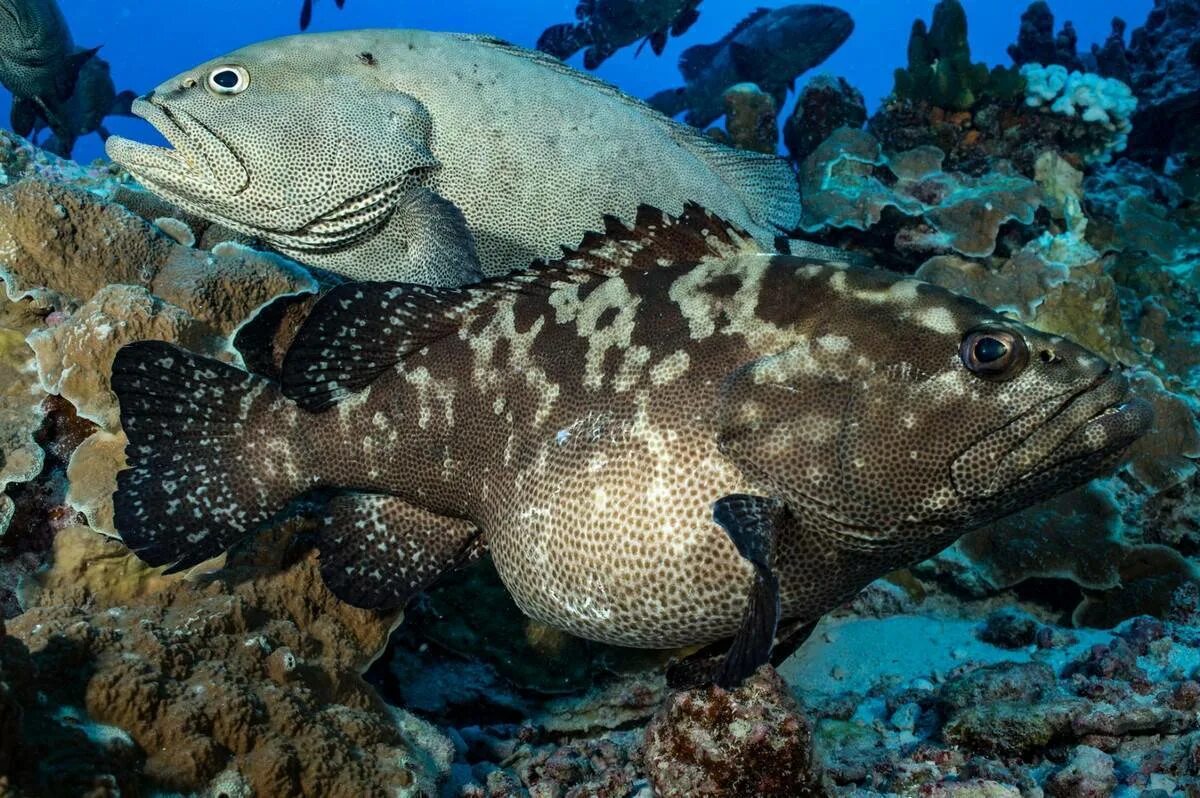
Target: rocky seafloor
1055,653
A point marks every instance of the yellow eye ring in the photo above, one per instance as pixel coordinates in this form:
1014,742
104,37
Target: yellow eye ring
228,79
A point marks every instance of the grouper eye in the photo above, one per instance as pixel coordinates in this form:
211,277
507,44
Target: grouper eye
228,80
994,354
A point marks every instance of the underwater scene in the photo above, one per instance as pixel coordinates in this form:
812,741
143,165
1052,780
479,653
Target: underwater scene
600,399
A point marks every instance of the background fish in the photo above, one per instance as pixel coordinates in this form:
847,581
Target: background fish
94,98
306,12
656,452
771,47
606,26
39,63
369,153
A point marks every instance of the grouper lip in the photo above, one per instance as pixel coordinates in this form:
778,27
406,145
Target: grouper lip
177,160
1101,418
197,156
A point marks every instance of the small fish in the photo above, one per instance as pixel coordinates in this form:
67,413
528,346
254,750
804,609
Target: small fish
94,98
39,63
606,26
306,12
770,47
667,439
430,157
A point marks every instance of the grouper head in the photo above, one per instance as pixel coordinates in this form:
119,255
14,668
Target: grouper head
903,415
297,140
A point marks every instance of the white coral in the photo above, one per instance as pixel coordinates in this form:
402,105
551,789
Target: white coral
1096,99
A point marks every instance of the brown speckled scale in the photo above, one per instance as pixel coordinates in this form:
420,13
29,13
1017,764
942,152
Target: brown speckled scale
586,416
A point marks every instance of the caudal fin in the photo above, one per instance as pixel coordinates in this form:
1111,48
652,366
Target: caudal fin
563,41
207,456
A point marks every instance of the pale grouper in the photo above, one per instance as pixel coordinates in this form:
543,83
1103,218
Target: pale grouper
356,151
658,452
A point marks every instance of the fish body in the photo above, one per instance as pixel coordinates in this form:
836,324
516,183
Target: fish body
606,26
770,47
657,452
39,63
369,153
94,99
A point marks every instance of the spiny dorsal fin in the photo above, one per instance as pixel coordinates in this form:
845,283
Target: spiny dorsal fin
358,331
654,238
695,59
751,18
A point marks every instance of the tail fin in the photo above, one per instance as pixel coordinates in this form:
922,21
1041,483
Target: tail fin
123,104
563,41
203,457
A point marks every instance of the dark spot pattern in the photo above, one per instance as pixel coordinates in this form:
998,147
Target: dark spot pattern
591,457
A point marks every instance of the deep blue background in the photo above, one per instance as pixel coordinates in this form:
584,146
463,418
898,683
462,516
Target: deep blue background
147,41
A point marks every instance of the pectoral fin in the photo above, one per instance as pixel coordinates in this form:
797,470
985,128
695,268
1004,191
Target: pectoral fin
23,116
441,248
751,523
378,551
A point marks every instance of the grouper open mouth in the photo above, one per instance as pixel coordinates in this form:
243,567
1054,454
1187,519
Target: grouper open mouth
197,162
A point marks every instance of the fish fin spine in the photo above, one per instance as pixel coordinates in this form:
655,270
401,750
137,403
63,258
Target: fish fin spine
203,457
359,331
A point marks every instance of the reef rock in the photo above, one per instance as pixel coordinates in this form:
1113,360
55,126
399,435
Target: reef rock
751,741
249,678
825,104
750,118
1037,43
1164,60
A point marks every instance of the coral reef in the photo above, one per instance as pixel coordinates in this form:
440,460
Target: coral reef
848,182
250,678
1104,101
1038,44
1164,63
940,70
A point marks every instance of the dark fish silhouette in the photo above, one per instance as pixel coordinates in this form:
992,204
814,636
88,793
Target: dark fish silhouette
306,12
669,438
606,26
771,47
39,63
95,98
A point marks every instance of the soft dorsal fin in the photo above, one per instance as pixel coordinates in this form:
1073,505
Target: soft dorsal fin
358,331
750,19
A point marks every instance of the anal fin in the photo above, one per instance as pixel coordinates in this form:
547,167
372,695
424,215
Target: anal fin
377,551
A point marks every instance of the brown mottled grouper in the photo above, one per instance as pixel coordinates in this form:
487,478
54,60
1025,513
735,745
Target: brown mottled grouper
658,452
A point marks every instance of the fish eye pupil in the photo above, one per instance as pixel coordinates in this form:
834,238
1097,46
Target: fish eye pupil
226,78
989,349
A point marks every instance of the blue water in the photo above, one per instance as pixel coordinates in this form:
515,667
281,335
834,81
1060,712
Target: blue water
147,41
